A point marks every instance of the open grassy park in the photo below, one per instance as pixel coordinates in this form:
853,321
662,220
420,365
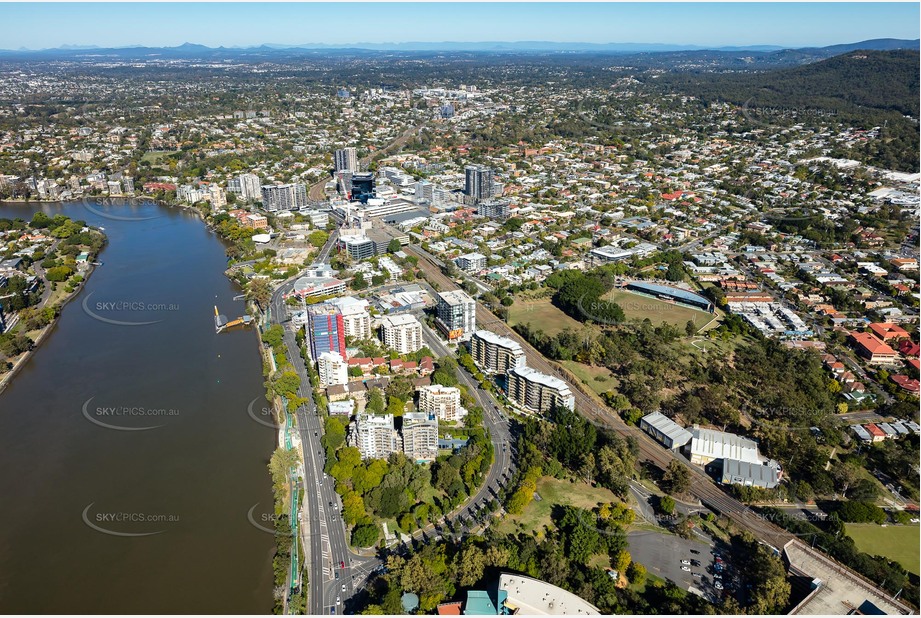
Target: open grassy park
542,314
553,492
899,543
598,379
640,307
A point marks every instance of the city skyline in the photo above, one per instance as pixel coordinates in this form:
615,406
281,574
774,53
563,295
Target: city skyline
688,25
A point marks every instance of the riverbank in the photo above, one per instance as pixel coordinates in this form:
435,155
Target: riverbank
43,333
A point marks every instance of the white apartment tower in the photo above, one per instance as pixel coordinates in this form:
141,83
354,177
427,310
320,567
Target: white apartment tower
332,369
402,333
420,436
495,354
442,401
374,436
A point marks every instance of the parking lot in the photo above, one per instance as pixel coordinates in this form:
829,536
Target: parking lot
662,554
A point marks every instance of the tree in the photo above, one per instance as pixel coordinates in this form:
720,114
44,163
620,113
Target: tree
353,508
393,246
318,238
376,403
359,282
365,535
636,573
395,406
677,478
667,504
690,328
259,291
472,565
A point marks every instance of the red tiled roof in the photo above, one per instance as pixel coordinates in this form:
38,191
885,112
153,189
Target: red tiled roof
872,345
888,330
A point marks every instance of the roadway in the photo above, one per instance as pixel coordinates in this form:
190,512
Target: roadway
329,559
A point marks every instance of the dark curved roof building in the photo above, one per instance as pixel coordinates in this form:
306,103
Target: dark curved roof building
676,294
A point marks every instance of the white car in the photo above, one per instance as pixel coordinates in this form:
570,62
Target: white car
338,600
685,568
686,562
718,586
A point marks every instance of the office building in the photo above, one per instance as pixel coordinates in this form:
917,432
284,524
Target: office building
355,317
284,197
362,187
471,262
420,436
346,160
325,330
495,354
536,391
442,401
425,191
447,110
402,332
246,186
478,182
456,315
374,436
332,369
358,247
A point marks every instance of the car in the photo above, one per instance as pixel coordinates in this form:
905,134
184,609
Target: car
337,574
330,502
315,433
717,576
684,568
686,562
697,574
695,563
343,587
694,551
718,585
338,600
341,564
332,611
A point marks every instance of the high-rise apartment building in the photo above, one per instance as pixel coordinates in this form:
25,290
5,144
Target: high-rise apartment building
442,401
284,197
495,354
325,330
478,182
246,186
420,436
332,369
537,391
402,333
456,315
374,436
493,208
355,316
346,160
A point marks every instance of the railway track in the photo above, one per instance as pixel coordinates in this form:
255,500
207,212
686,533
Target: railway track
702,487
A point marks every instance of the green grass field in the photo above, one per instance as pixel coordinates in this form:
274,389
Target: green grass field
589,373
156,157
552,492
540,314
639,307
899,543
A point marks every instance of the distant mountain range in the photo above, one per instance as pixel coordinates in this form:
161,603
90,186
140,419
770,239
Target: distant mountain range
191,49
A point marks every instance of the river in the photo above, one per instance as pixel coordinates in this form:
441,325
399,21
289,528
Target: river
176,495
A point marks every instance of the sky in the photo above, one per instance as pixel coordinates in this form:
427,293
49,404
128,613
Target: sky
43,25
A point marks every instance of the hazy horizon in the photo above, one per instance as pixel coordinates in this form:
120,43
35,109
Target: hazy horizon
691,25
